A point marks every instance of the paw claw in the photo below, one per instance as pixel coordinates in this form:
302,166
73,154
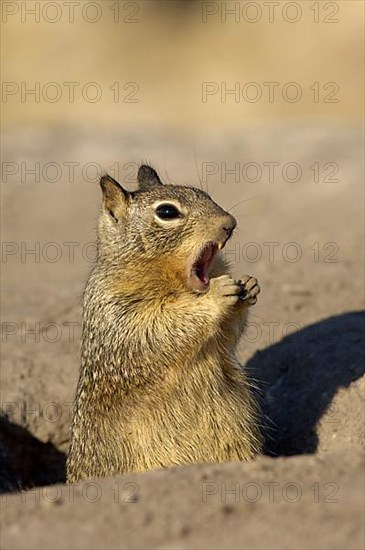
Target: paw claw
249,290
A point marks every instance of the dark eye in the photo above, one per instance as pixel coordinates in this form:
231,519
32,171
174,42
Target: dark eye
167,211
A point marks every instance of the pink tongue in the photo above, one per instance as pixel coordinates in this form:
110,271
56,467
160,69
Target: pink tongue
203,266
201,272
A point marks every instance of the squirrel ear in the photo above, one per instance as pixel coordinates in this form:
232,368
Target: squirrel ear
147,177
115,198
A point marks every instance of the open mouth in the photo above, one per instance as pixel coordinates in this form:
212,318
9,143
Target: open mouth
199,276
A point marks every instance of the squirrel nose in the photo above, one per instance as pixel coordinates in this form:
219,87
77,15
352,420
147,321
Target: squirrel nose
228,231
229,225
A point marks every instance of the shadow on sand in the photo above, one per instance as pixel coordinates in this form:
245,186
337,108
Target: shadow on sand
25,461
301,374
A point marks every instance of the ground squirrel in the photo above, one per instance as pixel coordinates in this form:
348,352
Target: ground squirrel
160,383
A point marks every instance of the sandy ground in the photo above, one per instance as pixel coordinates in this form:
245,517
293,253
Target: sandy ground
304,347
297,193
303,502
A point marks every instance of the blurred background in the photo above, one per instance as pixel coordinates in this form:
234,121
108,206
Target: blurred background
168,49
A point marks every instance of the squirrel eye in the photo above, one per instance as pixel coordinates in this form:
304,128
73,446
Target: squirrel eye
167,211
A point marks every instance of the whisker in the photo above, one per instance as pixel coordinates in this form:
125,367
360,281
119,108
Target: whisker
197,168
241,202
166,172
246,215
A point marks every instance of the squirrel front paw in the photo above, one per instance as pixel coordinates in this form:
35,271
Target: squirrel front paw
249,290
225,290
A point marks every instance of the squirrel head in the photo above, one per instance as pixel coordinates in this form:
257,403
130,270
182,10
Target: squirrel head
175,226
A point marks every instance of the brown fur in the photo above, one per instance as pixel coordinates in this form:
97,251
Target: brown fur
159,382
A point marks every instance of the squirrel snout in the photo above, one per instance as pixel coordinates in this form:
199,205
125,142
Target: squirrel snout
226,229
229,225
